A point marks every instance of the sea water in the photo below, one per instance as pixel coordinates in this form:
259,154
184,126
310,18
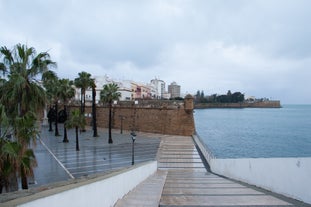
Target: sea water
256,132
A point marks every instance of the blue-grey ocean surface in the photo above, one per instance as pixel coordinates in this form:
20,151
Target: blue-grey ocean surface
256,132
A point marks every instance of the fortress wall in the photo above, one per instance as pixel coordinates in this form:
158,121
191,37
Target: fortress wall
164,117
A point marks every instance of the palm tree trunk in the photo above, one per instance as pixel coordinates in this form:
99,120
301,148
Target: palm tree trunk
50,119
65,135
24,178
1,184
65,128
56,120
83,103
110,123
12,184
50,125
77,139
83,108
95,134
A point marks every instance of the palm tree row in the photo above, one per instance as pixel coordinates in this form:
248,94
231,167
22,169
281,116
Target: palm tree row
23,96
58,91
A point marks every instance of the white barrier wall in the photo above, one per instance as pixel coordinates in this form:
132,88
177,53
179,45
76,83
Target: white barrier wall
104,191
288,176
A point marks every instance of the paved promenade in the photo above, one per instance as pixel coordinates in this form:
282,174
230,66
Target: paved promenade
181,179
58,161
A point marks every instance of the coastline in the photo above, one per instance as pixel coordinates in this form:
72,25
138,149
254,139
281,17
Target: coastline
262,104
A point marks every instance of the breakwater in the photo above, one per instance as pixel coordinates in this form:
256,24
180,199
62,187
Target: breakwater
261,104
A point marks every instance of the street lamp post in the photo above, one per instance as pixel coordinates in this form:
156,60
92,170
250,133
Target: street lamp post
133,135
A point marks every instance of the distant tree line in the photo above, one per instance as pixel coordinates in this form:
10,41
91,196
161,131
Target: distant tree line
235,97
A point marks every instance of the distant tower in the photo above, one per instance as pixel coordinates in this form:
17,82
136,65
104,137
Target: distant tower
174,90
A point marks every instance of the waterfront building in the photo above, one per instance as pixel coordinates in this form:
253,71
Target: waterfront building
130,90
125,88
159,86
140,91
174,90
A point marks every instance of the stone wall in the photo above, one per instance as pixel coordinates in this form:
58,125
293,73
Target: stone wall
164,117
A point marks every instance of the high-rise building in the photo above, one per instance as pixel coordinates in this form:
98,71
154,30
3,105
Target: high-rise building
174,90
159,88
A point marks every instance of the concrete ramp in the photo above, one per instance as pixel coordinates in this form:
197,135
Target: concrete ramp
188,183
148,193
186,188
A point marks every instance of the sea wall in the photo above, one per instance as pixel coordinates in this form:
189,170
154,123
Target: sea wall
261,104
287,176
99,191
164,117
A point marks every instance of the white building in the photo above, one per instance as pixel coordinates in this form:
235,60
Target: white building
159,88
130,90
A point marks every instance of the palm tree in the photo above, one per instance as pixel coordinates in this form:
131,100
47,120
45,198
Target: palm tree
26,133
24,66
83,82
4,164
94,119
8,156
50,80
16,159
66,92
9,165
24,96
108,95
13,159
55,93
76,120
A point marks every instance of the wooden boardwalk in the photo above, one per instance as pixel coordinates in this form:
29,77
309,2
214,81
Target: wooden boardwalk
186,182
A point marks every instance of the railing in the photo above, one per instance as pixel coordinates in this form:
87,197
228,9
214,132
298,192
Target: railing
207,153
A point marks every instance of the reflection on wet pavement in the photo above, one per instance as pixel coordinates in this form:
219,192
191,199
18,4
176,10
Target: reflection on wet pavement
58,161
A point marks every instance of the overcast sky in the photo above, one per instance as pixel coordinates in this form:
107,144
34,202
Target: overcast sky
260,48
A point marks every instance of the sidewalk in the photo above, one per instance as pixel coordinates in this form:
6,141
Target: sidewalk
58,161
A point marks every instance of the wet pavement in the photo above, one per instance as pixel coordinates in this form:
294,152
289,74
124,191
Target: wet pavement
182,178
58,161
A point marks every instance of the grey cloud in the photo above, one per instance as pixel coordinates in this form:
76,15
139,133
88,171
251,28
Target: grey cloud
201,44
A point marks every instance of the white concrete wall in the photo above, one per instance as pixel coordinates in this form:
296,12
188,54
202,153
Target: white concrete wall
288,176
104,192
